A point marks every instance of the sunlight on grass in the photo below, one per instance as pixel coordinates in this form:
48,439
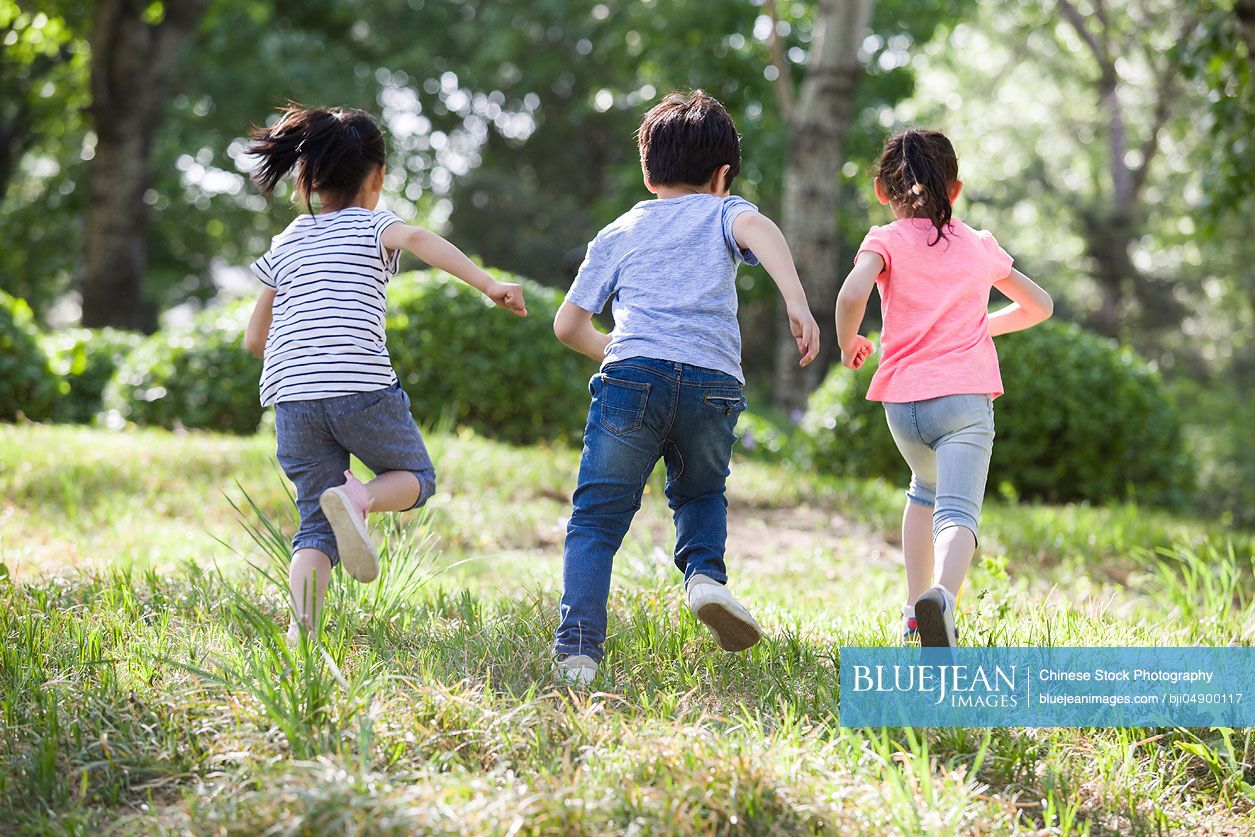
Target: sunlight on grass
162,697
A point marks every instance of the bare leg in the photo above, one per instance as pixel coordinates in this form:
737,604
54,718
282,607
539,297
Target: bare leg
307,583
955,547
917,549
394,491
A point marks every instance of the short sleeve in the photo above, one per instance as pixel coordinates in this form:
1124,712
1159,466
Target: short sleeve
876,241
383,220
595,282
263,270
733,208
1000,260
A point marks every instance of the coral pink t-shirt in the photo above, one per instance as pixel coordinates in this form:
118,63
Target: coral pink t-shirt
934,302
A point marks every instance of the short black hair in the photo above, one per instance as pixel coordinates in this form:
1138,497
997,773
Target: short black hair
685,138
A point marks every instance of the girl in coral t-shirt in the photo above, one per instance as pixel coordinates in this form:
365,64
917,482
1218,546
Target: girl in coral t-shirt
938,373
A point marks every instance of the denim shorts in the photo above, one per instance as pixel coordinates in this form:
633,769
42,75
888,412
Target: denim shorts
316,437
947,441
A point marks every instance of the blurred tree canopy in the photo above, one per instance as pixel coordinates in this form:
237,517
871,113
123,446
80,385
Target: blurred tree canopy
511,125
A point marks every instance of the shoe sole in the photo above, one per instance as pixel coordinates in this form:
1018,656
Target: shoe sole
931,618
733,631
357,553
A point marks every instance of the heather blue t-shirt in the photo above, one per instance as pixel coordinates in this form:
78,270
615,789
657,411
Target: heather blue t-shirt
669,268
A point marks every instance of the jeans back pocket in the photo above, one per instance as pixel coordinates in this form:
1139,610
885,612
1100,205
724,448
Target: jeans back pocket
727,402
621,405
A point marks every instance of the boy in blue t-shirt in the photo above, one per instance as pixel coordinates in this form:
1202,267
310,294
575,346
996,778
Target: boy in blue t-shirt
670,383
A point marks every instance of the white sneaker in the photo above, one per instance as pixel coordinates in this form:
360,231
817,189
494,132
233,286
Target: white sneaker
711,603
934,612
357,551
577,669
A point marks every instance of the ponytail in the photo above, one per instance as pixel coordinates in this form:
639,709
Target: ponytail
332,151
916,169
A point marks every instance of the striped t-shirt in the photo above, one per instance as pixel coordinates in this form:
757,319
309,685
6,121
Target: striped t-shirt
327,337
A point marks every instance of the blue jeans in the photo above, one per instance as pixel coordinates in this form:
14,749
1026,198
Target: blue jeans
947,442
644,409
316,437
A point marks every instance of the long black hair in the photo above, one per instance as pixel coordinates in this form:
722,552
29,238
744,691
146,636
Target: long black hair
916,169
333,151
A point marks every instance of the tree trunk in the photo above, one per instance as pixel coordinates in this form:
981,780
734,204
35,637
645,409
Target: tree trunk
1109,234
817,127
1244,10
131,61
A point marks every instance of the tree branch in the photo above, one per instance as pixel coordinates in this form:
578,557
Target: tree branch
1077,20
784,85
1166,94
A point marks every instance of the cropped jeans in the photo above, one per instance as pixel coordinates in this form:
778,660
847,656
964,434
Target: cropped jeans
315,439
947,441
643,409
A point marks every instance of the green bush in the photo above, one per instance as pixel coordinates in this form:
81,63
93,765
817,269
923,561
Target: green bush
86,360
200,377
844,433
504,376
761,437
28,386
1081,420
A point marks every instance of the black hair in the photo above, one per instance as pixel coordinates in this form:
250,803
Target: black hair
686,138
916,170
333,151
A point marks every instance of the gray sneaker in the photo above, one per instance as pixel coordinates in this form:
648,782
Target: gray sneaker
576,669
712,604
935,614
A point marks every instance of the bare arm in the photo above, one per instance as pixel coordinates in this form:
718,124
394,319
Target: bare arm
440,254
852,307
759,234
574,327
259,323
1030,305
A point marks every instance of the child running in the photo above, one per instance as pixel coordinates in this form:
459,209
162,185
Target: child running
938,374
319,326
670,384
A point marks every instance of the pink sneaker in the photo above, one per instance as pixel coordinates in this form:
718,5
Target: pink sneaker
346,506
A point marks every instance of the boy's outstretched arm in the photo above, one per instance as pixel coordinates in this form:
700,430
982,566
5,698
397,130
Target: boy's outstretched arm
442,255
259,323
758,234
1030,305
574,327
852,306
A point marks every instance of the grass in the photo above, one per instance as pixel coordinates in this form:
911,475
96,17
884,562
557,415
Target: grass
145,686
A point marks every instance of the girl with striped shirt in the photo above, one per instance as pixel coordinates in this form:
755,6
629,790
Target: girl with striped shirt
319,327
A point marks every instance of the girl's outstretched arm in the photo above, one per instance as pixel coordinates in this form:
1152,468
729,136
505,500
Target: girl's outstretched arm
852,306
259,323
442,255
1030,305
573,326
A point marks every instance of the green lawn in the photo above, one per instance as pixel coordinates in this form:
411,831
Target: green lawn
146,687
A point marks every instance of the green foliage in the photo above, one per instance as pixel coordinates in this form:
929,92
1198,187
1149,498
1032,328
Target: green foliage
760,437
1081,420
28,386
197,378
460,357
1216,56
44,98
86,360
844,433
